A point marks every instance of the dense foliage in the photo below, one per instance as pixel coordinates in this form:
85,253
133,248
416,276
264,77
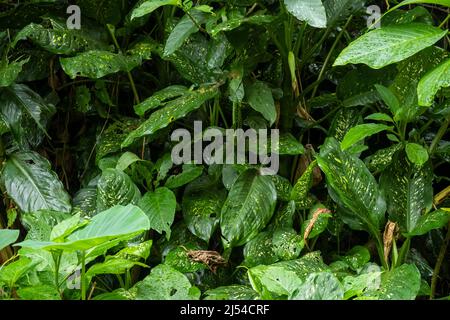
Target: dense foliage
94,207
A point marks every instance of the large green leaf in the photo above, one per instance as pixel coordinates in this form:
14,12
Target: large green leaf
433,81
282,279
248,208
96,64
31,183
115,187
430,221
12,272
402,283
338,10
8,237
202,203
352,186
118,223
260,98
25,113
406,82
10,71
166,283
362,132
149,6
388,45
311,11
184,28
173,111
320,286
408,2
408,191
58,40
234,292
159,98
159,206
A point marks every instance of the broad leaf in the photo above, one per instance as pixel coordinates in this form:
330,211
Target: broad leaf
248,208
320,286
234,292
362,132
416,153
10,71
384,46
116,188
159,98
159,206
311,11
165,283
433,81
33,186
352,186
8,237
430,221
173,111
149,6
408,191
260,98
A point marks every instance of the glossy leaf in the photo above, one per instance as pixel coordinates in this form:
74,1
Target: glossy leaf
159,98
430,221
159,206
320,286
361,132
416,153
173,111
391,44
260,98
8,237
352,185
149,6
433,81
248,208
311,11
33,186
408,192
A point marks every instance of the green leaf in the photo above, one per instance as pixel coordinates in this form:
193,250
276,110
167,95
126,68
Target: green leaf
10,71
118,223
39,292
8,237
259,250
248,208
184,28
320,286
173,111
320,223
402,283
379,117
33,186
159,98
389,98
160,208
59,40
96,64
202,203
430,221
352,186
361,132
382,158
282,279
340,10
433,81
356,258
116,188
288,145
190,173
408,2
149,6
408,191
260,98
165,283
236,21
25,113
12,272
111,266
384,46
311,11
300,192
234,292
126,160
416,154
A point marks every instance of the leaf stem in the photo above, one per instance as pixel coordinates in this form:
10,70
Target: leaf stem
439,261
442,131
83,275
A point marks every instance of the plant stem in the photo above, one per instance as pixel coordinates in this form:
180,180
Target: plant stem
442,131
445,21
83,275
439,261
404,252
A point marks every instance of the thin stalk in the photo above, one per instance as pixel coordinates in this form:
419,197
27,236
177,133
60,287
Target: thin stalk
327,59
83,275
439,262
445,21
57,258
130,77
404,252
440,134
